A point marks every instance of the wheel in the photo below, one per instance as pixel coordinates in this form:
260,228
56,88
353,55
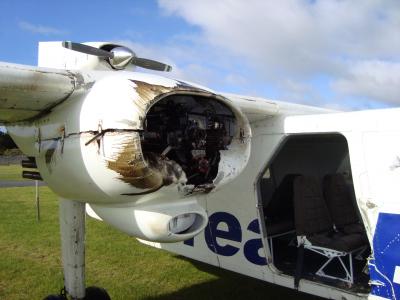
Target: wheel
96,293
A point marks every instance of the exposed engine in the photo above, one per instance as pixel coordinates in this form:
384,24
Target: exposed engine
143,152
189,130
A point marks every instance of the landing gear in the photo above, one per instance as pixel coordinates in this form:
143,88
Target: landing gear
72,228
96,293
61,296
55,297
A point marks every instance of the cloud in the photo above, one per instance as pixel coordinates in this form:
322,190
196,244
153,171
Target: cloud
372,79
299,92
296,36
189,62
40,29
300,40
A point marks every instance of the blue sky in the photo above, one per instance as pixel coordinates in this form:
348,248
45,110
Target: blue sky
339,54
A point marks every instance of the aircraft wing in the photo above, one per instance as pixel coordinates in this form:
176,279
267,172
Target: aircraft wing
27,92
256,108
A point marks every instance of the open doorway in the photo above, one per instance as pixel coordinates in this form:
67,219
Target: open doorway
312,222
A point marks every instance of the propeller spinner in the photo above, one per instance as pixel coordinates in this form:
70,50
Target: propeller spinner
118,57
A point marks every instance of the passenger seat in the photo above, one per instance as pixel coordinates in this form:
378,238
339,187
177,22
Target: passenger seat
315,232
341,205
279,214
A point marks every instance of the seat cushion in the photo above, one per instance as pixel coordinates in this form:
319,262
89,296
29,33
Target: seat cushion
282,226
338,241
352,228
339,200
311,213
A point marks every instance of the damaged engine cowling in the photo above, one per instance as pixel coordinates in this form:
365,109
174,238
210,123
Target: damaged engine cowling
181,143
158,136
151,149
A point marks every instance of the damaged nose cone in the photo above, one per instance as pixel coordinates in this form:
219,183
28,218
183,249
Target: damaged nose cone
165,136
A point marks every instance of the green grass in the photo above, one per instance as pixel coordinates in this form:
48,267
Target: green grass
30,264
11,172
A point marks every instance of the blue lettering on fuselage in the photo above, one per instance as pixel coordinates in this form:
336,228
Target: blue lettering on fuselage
252,247
233,232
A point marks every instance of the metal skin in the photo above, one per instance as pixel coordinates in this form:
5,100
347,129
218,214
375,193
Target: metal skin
122,56
373,138
69,154
17,82
72,229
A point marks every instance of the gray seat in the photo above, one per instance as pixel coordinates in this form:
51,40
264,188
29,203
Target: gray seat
315,230
279,227
340,204
279,212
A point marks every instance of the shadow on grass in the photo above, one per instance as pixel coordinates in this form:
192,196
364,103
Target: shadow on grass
230,285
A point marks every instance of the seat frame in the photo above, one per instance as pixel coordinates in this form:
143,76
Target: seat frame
331,254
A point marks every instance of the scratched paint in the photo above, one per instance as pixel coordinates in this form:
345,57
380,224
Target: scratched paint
43,89
144,171
148,94
128,162
112,154
151,171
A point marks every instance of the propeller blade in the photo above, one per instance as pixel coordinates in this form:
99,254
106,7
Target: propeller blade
151,64
87,49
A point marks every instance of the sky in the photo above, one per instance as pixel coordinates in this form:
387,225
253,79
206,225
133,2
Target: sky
342,54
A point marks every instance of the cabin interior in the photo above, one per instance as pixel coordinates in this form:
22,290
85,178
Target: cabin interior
312,222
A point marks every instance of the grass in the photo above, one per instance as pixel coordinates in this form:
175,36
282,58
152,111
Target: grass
11,172
30,264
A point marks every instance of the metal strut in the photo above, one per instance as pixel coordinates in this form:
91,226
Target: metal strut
72,227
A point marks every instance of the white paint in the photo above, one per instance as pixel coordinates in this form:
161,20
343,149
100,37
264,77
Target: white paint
396,276
151,223
91,213
26,90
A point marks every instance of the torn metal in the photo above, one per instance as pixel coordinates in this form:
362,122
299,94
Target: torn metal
182,131
152,136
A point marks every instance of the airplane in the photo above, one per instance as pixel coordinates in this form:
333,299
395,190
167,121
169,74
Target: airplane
299,196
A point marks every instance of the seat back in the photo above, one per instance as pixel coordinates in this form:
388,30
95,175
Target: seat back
281,204
310,210
339,200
